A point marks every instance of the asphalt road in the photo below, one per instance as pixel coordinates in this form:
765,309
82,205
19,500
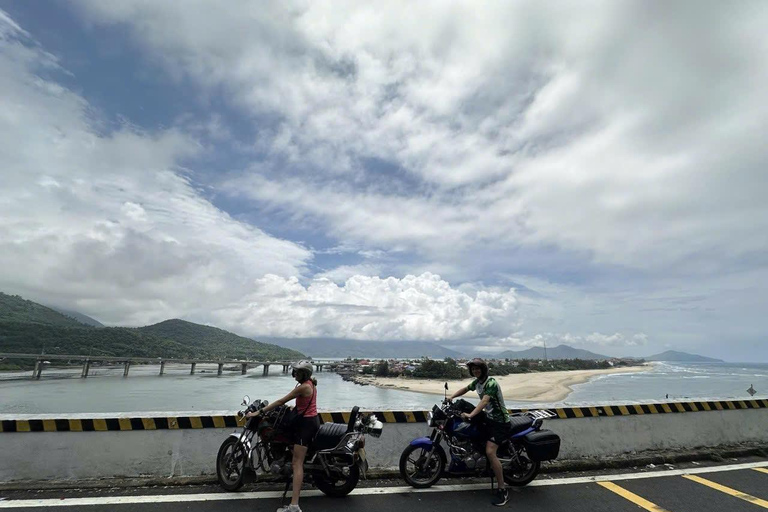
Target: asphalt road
732,487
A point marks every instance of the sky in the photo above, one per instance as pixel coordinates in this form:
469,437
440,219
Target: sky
488,176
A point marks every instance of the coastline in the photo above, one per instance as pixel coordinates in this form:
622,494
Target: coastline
523,387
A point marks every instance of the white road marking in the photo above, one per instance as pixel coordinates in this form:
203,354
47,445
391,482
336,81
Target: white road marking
182,498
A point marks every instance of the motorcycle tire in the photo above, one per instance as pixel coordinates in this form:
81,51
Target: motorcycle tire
525,476
435,461
332,488
231,449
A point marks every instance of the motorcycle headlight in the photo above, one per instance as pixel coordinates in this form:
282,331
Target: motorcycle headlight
430,419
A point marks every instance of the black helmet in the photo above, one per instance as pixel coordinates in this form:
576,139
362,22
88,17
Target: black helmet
480,364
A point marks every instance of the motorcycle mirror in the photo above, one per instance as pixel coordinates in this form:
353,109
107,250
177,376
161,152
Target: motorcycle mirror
246,400
446,386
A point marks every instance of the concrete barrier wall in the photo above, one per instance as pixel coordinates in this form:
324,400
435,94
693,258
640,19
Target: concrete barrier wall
80,447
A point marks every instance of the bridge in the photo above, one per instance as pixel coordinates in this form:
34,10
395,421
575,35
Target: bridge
42,359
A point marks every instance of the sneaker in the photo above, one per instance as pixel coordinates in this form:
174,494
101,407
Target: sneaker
502,497
289,508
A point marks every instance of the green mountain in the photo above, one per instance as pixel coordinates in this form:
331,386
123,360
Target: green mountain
16,309
203,337
18,337
671,355
559,352
28,327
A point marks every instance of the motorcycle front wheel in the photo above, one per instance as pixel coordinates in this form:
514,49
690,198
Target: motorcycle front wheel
421,468
525,473
337,486
230,464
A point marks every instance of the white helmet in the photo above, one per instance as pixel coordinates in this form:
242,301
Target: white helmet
304,366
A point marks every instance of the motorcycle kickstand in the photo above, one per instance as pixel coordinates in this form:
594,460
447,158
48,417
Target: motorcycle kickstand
285,491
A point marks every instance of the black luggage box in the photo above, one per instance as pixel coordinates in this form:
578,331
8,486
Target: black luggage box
542,445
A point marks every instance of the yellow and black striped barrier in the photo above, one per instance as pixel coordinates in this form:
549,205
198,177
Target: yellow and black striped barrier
200,422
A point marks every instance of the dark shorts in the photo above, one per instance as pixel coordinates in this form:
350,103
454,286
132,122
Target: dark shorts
305,430
497,432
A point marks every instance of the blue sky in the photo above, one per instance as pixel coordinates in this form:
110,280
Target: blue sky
588,174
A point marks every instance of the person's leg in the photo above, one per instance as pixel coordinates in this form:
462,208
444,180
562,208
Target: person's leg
493,460
299,452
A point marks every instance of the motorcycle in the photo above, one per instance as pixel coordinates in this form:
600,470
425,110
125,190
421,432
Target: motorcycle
424,461
334,462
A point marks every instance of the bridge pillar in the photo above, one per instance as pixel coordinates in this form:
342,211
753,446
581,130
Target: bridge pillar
162,367
243,368
127,367
86,367
192,370
221,368
285,368
38,369
266,370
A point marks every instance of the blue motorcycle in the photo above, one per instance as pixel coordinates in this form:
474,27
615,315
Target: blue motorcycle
424,461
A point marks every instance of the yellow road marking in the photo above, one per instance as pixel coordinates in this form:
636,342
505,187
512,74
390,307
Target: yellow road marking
727,490
634,498
762,470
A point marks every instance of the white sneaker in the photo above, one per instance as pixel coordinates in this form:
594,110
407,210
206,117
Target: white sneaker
289,508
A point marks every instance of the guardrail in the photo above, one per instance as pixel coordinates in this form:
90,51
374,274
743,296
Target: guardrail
129,445
231,421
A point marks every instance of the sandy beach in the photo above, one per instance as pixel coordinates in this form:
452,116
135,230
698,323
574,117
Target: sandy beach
538,387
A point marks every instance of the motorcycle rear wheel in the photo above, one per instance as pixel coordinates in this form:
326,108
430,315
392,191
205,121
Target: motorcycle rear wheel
421,469
340,487
230,464
519,477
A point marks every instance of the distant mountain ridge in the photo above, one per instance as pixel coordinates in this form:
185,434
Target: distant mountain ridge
672,355
83,319
337,347
558,352
568,352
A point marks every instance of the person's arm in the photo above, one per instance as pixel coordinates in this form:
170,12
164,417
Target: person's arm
459,392
295,392
486,399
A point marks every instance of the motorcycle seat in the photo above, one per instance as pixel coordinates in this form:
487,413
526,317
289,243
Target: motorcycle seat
329,435
520,423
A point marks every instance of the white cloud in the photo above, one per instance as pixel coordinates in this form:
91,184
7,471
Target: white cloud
421,307
107,223
615,146
567,126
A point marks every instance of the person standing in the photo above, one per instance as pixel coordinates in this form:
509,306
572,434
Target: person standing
306,427
498,427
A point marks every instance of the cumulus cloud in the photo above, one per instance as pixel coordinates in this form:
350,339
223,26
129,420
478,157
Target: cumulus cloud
423,307
107,222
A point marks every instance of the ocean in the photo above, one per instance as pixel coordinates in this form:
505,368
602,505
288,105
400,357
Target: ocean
106,391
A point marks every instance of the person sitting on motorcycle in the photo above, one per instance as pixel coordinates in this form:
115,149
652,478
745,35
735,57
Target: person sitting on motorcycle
498,427
305,394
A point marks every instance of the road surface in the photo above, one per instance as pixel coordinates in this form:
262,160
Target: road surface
733,487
